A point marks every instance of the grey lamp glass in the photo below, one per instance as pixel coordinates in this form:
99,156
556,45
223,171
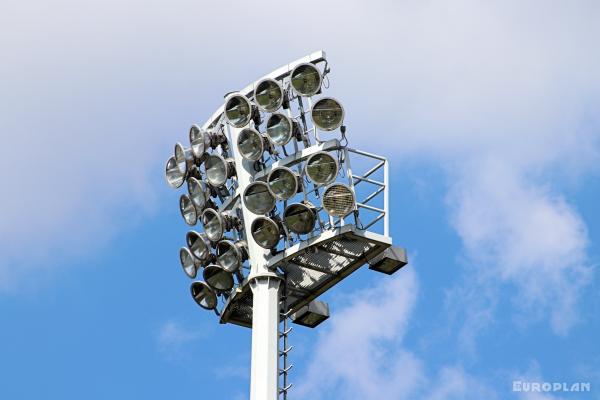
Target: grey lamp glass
268,95
306,79
299,218
327,114
283,183
203,295
321,168
188,210
265,232
238,110
258,198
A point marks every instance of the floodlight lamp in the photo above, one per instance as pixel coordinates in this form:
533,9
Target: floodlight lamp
238,110
204,296
265,232
283,183
217,223
321,168
199,193
183,158
189,264
199,141
199,246
251,144
218,169
268,95
174,176
231,255
258,198
188,210
218,278
306,79
327,114
280,129
300,218
338,200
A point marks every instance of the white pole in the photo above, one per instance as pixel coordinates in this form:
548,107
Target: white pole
265,289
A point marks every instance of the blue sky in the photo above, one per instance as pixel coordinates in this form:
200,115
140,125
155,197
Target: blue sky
488,114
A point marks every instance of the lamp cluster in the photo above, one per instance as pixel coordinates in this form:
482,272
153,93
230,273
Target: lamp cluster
295,190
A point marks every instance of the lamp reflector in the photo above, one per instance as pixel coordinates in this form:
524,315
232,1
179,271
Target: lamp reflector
250,144
338,200
188,210
217,278
306,79
199,141
204,296
238,110
279,129
198,193
188,263
218,169
265,232
214,224
283,183
268,95
299,218
258,198
199,246
322,168
174,176
230,255
183,158
327,114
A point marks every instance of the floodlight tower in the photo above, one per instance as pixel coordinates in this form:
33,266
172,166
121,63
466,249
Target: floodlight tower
285,216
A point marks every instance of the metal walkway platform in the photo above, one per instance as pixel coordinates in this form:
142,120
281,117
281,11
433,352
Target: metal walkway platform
311,268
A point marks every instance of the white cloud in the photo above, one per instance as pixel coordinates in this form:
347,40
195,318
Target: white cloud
362,351
173,337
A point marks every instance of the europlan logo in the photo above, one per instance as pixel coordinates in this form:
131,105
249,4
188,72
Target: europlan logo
530,386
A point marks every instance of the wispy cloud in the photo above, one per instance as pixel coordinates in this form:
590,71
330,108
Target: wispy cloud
173,337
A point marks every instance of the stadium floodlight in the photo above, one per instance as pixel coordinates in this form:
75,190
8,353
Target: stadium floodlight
201,141
265,232
204,296
283,183
311,315
199,246
174,176
188,210
218,278
258,198
231,255
238,110
321,168
306,79
199,193
189,264
300,218
327,114
280,129
251,144
216,223
338,200
218,169
183,158
268,95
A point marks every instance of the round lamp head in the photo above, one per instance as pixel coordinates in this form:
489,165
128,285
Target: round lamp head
217,278
327,114
214,224
279,129
183,158
218,170
268,95
174,176
338,200
265,232
299,218
321,168
250,144
258,198
238,110
199,141
198,193
230,255
204,296
306,79
283,183
188,263
199,246
188,210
